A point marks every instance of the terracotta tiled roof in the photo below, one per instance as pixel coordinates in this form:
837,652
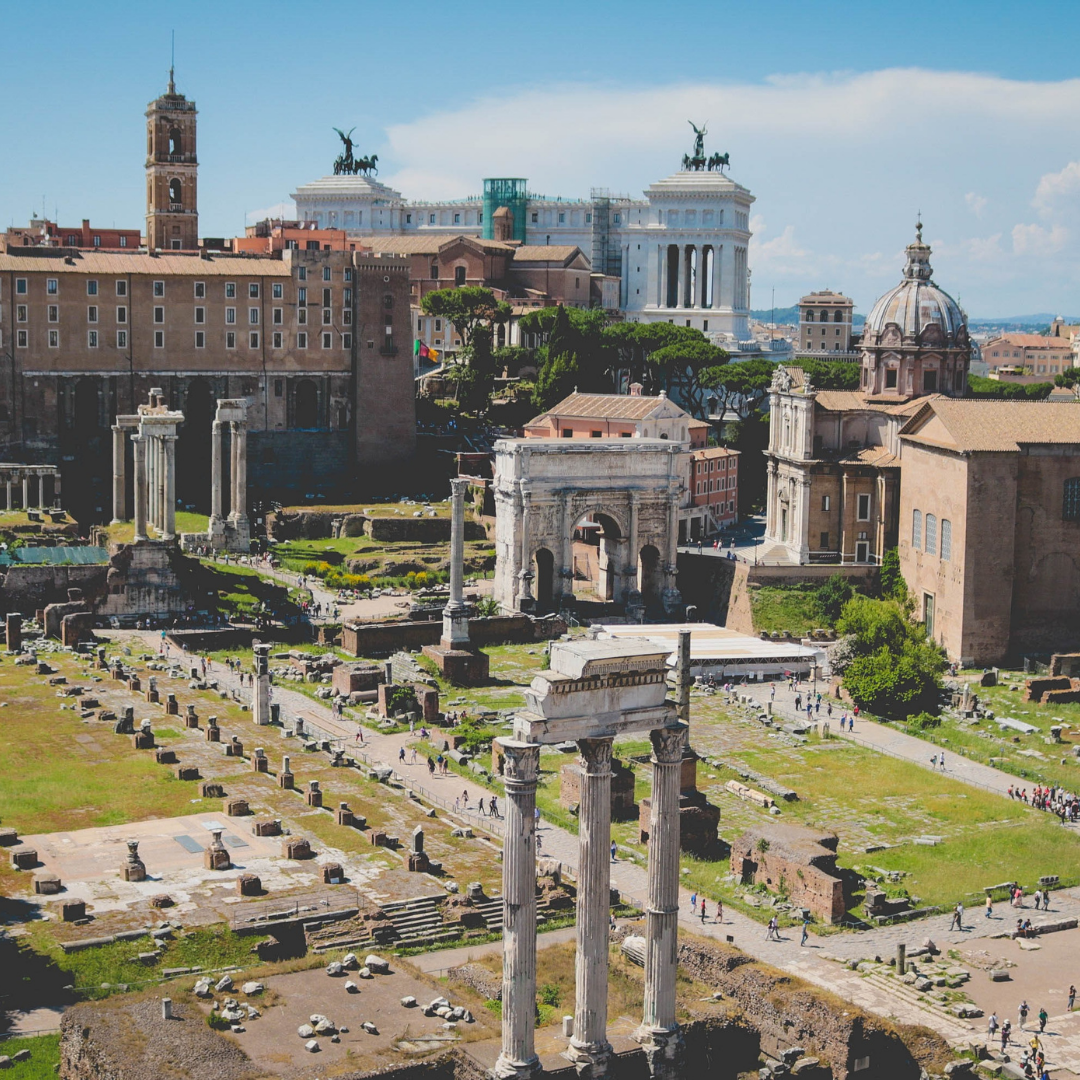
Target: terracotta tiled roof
707,452
405,245
998,426
545,253
856,401
1029,341
877,456
169,264
700,424
605,407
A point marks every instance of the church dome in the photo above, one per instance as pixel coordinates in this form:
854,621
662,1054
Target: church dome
917,308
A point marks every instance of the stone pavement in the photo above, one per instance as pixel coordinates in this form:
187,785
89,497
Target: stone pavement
876,995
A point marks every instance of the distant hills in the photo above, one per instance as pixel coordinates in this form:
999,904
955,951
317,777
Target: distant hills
1038,321
790,315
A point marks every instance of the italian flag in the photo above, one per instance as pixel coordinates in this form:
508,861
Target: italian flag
421,350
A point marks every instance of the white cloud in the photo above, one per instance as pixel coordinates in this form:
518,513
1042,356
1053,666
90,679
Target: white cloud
977,204
1035,240
1058,186
285,210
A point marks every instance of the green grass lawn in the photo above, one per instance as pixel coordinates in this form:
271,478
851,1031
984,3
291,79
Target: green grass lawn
789,607
44,1057
124,532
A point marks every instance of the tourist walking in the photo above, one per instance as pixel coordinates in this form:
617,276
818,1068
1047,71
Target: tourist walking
494,807
1072,997
720,915
991,1026
1043,1017
614,848
693,902
989,907
805,929
1022,1013
1006,1031
703,911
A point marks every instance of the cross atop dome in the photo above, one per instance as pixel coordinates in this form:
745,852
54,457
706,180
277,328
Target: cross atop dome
918,256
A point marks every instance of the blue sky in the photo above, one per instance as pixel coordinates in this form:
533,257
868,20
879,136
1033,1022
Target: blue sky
844,120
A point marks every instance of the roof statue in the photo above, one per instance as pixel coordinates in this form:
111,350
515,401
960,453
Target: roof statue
699,162
346,164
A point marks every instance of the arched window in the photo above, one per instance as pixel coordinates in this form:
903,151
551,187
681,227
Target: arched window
1070,507
175,191
434,271
931,534
916,529
174,141
809,316
838,317
459,276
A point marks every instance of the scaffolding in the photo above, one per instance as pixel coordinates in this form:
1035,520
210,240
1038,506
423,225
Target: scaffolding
606,255
508,192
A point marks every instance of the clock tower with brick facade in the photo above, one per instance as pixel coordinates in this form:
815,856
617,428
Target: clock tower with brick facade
172,208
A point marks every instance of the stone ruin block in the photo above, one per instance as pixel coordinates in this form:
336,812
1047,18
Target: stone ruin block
162,900
215,857
237,807
134,869
418,862
143,740
187,772
1063,697
355,678
270,827
376,838
1035,689
8,837
165,757
314,795
248,885
213,732
332,873
134,684
212,790
13,627
259,761
191,717
286,780
343,815
699,823
47,883
296,848
24,858
234,747
172,706
427,698
73,910
152,695
460,667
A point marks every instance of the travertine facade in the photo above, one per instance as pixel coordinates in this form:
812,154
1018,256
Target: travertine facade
544,487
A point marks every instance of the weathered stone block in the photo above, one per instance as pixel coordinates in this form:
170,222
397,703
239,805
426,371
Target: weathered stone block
296,848
212,790
332,873
236,807
24,858
73,910
143,740
47,883
165,757
187,772
248,885
271,827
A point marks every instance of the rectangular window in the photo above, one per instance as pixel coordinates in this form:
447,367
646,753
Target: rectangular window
20,286
230,316
326,298
596,434
301,295
200,290
277,316
431,219
230,290
438,326
348,275
864,508
301,273
562,219
928,613
824,546
121,339
328,341
346,298
121,314
200,315
535,217
159,314
91,288
346,341
20,313
826,502
946,540
91,313
301,316
121,288
326,273
54,339
346,316
301,340
54,313
327,316
52,286
253,316
253,290
916,529
200,339
890,379
230,339
159,339
931,534
20,339
278,339
159,288
253,339
567,433
91,339
123,241
278,290
279,387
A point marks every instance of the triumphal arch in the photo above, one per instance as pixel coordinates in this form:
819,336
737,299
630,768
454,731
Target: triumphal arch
592,692
630,489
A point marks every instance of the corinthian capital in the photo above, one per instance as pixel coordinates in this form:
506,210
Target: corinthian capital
595,755
668,744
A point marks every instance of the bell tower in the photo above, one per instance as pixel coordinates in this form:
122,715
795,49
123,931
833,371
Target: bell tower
172,206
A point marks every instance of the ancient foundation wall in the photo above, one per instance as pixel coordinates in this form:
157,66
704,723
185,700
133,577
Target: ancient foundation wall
381,639
305,461
32,588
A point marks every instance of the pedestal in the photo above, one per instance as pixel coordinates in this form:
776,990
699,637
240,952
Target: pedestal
518,1057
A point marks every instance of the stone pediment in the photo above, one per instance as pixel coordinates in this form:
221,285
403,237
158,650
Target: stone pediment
586,659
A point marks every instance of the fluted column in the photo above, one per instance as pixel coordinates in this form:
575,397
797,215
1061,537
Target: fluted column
239,431
169,487
151,480
25,492
659,1033
525,594
455,633
139,442
215,477
521,765
119,480
589,1049
41,490
260,697
8,487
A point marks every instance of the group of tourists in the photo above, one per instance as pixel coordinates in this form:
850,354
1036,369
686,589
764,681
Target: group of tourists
698,907
1032,1053
1054,800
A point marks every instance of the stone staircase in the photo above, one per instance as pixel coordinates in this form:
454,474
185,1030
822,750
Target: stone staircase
943,1021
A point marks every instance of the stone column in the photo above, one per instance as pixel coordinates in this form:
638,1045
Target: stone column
260,697
119,480
239,433
455,631
151,480
41,490
215,478
589,1049
25,491
169,487
659,1033
8,486
525,594
521,765
232,471
632,554
139,441
566,549
770,504
56,490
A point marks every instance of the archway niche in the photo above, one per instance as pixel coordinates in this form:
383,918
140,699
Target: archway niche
650,579
598,557
305,405
193,464
544,570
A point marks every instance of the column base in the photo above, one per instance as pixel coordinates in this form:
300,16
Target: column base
663,1051
508,1069
589,1059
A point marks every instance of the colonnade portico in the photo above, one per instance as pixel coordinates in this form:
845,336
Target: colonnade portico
31,479
593,692
231,415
